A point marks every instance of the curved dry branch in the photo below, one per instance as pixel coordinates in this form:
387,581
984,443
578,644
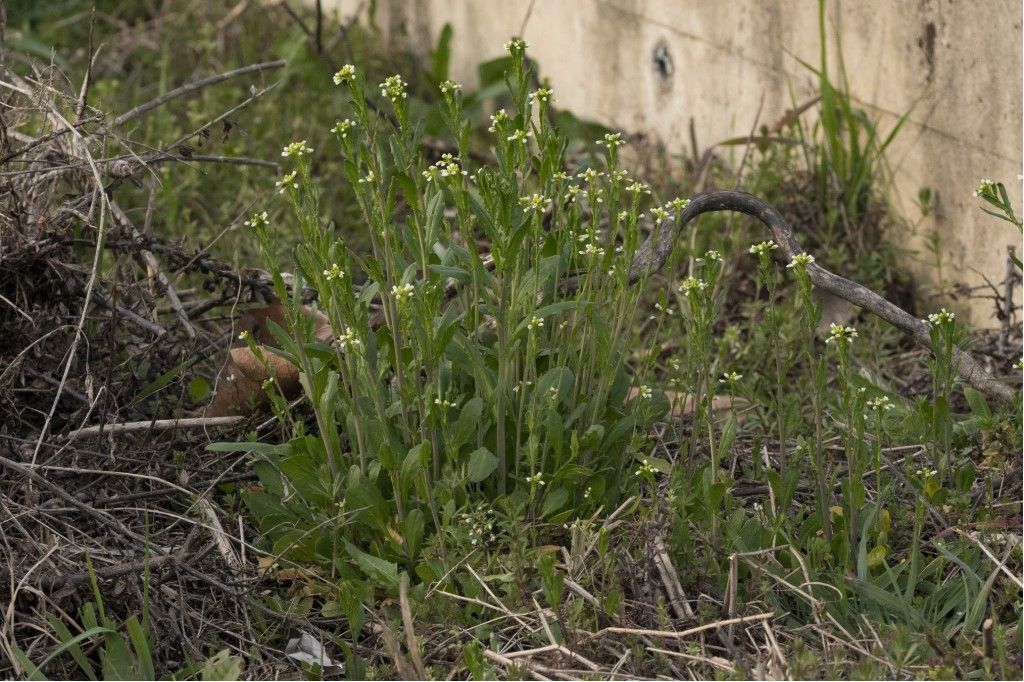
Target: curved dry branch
653,254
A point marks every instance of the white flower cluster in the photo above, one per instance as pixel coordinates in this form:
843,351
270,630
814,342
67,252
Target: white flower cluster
519,136
645,392
692,285
402,292
258,220
498,119
447,167
535,323
985,186
839,332
393,88
296,149
611,140
450,86
730,378
345,74
940,318
516,45
536,203
342,127
481,526
589,248
536,479
541,95
764,248
646,469
637,187
287,182
334,273
349,339
881,403
801,260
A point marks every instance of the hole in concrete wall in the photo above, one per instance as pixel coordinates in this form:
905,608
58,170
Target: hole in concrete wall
664,67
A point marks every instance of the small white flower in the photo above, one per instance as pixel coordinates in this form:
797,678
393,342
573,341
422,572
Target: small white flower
611,140
344,74
659,214
801,260
441,402
666,309
677,205
516,45
712,257
402,292
368,179
536,479
342,127
535,323
881,403
334,273
646,469
393,88
536,203
349,339
450,86
637,187
692,285
287,182
986,186
498,118
245,336
730,378
297,149
763,248
839,332
940,318
541,95
519,136
591,250
258,220
645,392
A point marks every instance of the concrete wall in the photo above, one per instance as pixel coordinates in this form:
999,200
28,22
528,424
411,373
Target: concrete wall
961,57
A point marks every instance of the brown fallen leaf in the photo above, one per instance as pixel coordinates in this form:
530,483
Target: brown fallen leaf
239,388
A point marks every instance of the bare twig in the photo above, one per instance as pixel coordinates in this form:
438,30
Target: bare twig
192,87
155,425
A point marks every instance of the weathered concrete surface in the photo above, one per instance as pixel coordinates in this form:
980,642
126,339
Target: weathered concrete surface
962,59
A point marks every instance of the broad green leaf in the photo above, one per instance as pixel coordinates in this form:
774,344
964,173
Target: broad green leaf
382,570
482,464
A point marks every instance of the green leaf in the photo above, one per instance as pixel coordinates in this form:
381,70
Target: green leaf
140,642
554,500
414,526
979,406
468,421
198,388
382,570
441,55
482,464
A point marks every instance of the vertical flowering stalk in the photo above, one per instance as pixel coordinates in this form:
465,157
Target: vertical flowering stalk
945,335
810,316
842,337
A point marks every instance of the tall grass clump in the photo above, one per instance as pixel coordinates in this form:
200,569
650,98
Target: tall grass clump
456,374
